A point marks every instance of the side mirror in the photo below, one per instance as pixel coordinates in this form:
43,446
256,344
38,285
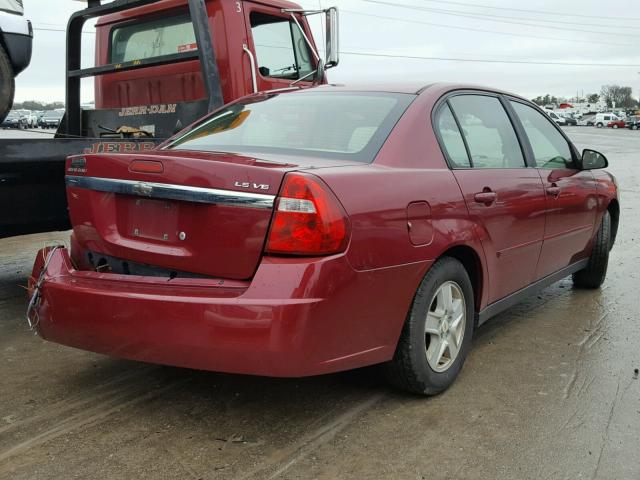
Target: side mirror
592,160
333,38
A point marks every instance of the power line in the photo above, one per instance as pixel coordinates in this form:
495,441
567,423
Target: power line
483,17
538,20
477,60
495,32
537,12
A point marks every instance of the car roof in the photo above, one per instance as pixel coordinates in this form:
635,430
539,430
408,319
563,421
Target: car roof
415,88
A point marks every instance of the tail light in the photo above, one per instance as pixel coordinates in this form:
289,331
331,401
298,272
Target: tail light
309,219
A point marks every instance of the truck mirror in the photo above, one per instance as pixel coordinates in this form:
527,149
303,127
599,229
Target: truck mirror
333,38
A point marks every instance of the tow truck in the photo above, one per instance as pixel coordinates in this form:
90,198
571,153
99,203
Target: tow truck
159,66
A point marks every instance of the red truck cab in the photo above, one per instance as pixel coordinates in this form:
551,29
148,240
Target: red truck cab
258,46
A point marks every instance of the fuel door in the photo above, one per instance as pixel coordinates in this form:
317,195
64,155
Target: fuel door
419,223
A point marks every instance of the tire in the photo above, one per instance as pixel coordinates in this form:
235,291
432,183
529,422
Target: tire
409,370
634,127
615,125
599,125
7,85
593,275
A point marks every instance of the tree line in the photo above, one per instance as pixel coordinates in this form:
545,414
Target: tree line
33,105
621,96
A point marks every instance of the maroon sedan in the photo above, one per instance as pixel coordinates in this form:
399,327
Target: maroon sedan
316,230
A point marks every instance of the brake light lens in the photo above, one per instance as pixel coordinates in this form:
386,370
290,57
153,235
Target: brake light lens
309,219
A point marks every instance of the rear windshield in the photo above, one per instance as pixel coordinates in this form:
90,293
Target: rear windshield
155,38
334,125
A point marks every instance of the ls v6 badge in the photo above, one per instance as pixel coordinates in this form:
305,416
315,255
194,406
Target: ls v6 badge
256,186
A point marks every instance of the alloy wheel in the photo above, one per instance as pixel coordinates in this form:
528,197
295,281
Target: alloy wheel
444,326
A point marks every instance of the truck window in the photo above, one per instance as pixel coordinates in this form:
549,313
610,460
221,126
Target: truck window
154,38
281,50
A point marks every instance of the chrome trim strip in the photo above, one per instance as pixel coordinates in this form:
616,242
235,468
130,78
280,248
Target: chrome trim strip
173,192
252,60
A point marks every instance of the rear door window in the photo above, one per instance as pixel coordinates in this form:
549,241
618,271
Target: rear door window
451,138
150,39
488,132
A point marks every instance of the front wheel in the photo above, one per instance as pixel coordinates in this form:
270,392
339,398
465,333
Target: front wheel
615,125
599,125
593,275
634,127
436,336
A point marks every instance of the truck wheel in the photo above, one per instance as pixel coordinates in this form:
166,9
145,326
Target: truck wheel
595,272
7,85
599,125
436,336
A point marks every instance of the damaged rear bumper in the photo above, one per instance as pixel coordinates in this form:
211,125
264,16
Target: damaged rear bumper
282,323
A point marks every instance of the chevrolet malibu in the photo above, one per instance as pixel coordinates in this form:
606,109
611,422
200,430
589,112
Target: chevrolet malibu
309,231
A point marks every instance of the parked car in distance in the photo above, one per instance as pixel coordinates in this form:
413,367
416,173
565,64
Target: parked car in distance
603,119
571,121
556,118
314,230
587,120
31,120
633,123
15,119
16,38
616,124
51,119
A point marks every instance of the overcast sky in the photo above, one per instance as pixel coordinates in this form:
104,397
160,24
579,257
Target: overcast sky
592,32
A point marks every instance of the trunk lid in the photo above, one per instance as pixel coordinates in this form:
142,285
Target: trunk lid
182,212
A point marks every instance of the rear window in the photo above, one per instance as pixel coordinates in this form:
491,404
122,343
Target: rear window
335,125
154,38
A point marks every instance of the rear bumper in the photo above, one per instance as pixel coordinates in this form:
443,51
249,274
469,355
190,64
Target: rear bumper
295,318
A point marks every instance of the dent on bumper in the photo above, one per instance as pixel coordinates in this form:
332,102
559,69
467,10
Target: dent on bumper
295,318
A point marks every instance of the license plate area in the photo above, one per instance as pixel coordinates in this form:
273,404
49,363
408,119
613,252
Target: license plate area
153,219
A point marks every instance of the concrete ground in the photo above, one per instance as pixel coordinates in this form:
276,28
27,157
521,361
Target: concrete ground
548,392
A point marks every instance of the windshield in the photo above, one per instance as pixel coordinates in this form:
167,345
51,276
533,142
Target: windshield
13,114
12,6
335,125
52,114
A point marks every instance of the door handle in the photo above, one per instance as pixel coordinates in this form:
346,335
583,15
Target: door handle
553,190
486,197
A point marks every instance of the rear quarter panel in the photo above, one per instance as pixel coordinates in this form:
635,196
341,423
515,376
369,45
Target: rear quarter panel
409,168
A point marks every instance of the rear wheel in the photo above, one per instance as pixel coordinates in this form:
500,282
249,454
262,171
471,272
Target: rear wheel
615,125
7,84
436,336
599,125
595,272
634,127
